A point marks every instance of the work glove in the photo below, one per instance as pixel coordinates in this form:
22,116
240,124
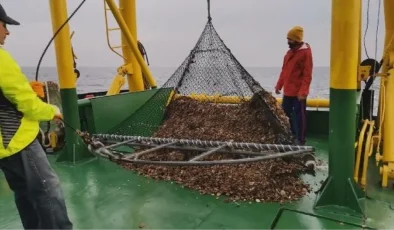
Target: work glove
58,115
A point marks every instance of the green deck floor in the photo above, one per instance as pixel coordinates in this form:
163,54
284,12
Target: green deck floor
102,195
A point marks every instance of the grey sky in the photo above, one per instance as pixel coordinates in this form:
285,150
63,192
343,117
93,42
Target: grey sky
255,30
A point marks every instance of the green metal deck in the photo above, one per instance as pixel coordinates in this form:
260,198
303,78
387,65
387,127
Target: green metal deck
102,195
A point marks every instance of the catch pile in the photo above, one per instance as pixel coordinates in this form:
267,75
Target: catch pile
271,180
211,69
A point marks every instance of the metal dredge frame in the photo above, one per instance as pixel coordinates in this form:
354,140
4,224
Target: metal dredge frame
249,152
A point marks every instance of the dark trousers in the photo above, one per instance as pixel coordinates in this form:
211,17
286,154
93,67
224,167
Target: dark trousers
292,105
38,196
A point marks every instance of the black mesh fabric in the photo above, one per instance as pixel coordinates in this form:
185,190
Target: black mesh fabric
209,70
212,69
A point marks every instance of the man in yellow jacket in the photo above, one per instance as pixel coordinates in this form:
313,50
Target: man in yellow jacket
36,187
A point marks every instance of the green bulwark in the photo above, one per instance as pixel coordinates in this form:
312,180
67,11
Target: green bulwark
148,118
143,112
109,114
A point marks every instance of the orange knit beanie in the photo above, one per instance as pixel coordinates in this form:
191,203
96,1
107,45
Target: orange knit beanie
296,34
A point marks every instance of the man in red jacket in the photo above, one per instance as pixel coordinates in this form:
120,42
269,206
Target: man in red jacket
295,79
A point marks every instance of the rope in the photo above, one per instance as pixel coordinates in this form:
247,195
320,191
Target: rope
209,10
382,108
366,30
54,36
376,66
376,36
144,55
76,71
143,52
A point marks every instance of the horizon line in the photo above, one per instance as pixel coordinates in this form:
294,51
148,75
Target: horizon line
115,67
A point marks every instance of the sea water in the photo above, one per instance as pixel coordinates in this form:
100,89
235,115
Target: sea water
93,79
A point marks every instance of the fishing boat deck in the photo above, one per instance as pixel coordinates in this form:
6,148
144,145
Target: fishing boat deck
101,195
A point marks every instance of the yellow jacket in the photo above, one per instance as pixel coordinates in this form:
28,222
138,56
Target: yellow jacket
20,108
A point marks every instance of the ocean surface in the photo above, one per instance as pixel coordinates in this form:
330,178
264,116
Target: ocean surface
95,79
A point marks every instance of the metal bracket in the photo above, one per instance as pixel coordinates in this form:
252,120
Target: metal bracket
246,152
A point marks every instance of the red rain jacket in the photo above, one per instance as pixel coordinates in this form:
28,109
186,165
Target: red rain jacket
296,75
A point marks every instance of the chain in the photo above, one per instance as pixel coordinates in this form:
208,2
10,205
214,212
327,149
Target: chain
85,136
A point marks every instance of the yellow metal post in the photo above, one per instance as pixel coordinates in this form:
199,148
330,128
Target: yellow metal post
74,148
387,88
129,14
118,82
359,45
64,57
388,145
131,42
339,189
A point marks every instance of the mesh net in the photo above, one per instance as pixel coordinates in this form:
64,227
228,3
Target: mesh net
210,95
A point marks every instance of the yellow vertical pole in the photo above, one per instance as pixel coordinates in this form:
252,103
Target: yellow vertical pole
345,26
388,94
64,56
74,149
129,14
384,65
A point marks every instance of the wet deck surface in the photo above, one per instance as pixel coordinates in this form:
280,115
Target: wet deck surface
101,195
